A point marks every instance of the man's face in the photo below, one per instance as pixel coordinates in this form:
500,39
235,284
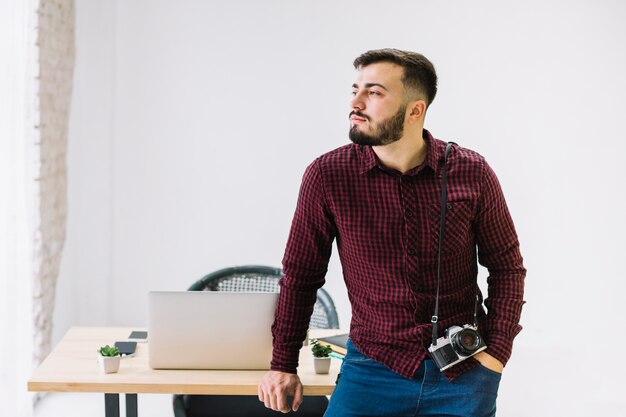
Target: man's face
378,105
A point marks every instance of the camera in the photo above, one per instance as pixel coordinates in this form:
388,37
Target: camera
458,344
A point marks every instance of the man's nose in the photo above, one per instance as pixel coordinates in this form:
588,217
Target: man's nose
357,102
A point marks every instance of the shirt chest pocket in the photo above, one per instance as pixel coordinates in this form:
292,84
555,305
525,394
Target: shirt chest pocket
458,234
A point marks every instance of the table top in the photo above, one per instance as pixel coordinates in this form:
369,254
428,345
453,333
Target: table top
73,367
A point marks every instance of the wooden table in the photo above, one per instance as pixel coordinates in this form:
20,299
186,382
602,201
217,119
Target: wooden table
73,367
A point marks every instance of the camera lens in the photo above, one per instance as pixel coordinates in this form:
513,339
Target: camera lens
466,342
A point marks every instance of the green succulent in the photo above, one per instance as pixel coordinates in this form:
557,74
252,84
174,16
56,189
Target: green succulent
109,351
319,350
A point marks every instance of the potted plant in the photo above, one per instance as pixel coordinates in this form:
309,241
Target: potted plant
109,359
321,358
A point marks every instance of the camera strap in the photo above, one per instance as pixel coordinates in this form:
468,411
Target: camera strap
442,228
444,206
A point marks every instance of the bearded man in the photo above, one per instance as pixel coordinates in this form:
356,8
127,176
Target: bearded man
380,197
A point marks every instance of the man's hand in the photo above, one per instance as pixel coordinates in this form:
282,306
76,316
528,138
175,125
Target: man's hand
489,362
274,388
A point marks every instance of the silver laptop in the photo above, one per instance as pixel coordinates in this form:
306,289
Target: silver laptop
210,330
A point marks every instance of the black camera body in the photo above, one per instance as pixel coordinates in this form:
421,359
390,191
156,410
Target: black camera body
458,344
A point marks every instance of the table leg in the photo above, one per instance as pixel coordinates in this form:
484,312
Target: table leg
112,405
131,405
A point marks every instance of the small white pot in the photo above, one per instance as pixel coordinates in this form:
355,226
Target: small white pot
321,365
109,364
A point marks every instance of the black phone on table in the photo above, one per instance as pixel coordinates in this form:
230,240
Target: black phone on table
138,336
126,348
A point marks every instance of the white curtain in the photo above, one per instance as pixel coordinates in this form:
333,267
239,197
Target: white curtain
19,167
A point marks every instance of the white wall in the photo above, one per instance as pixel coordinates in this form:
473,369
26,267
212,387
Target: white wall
194,121
84,284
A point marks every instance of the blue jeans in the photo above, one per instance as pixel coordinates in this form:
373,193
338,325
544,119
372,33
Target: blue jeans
368,388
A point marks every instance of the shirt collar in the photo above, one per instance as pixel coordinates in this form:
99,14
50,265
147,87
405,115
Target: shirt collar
368,158
433,153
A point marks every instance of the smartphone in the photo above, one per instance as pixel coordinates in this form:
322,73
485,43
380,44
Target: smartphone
138,336
126,348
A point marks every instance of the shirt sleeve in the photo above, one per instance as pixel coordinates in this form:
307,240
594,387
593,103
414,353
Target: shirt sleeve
498,251
304,267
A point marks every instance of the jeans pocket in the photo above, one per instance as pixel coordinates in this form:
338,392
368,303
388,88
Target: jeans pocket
489,371
353,354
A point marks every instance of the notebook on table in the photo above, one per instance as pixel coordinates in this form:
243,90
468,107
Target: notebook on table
338,343
210,330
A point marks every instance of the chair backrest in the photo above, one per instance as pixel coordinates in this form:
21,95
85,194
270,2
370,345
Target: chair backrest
265,279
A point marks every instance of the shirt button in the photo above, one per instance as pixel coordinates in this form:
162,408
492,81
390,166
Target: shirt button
411,251
409,214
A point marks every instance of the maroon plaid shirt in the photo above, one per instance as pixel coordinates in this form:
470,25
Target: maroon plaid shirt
387,226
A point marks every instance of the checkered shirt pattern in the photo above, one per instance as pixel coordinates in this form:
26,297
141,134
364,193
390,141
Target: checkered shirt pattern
387,229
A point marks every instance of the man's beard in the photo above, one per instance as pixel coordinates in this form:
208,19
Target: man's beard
387,131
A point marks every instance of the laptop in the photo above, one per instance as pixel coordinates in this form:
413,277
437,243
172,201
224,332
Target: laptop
210,329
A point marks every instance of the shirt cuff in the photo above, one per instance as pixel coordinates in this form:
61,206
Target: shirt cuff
285,369
500,345
286,360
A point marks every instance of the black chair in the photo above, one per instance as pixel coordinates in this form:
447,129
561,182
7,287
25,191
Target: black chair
253,278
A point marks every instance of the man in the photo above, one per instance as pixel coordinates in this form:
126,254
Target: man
380,198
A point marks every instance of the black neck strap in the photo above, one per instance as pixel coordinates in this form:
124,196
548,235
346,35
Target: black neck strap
444,205
442,229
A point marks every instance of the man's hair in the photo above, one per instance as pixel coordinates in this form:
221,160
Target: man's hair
419,72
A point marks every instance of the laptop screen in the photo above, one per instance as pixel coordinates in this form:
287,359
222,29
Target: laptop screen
210,330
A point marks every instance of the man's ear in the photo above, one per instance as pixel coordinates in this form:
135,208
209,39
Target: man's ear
417,110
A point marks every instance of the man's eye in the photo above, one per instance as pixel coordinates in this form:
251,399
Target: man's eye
374,93
354,93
